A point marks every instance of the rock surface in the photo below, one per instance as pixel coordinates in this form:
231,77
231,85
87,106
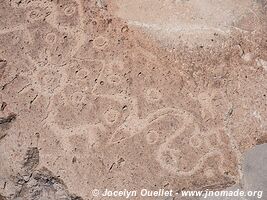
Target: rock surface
254,179
129,94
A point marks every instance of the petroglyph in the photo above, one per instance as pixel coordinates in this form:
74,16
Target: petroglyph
12,29
46,13
69,10
100,42
68,137
194,149
111,81
152,137
111,116
85,72
133,125
46,81
137,94
35,15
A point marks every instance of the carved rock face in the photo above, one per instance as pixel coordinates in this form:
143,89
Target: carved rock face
90,101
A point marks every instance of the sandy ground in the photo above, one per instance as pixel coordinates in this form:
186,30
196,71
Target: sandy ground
129,94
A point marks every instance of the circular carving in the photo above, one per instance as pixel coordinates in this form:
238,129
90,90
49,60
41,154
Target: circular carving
111,116
152,137
51,38
153,95
69,10
114,79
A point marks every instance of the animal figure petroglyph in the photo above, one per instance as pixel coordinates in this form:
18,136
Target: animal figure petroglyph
184,153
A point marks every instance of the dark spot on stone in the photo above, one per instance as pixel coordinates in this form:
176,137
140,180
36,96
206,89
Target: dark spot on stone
124,107
3,106
8,119
124,29
32,158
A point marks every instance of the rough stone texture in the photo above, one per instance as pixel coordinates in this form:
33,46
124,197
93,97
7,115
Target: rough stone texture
90,99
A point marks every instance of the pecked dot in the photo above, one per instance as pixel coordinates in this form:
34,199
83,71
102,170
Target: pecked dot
195,141
35,14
